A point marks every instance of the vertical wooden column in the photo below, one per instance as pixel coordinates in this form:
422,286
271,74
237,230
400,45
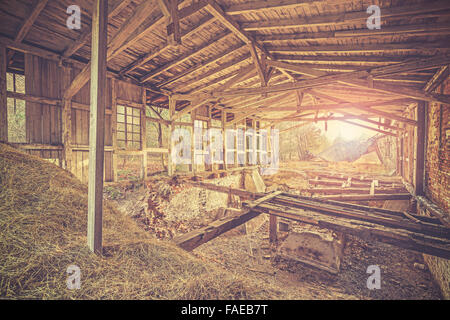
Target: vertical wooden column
273,228
193,167
97,124
236,164
144,135
224,139
170,166
254,138
3,99
210,151
420,156
66,117
114,127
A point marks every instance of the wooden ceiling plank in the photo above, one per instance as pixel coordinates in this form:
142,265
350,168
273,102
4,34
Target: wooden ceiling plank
184,57
113,10
120,40
435,7
29,21
159,50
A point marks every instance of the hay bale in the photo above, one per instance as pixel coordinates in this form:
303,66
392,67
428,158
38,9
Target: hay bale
43,217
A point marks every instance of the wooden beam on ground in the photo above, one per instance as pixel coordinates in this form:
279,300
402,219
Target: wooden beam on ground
192,240
3,98
97,124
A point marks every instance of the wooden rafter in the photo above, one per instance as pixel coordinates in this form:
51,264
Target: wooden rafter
267,5
165,46
125,35
419,30
113,10
435,7
29,21
184,57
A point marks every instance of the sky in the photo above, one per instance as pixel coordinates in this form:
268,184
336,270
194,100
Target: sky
345,131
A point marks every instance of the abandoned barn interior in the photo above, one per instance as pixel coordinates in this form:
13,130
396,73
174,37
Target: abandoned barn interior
217,102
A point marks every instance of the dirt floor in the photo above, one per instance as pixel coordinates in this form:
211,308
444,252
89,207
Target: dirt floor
404,274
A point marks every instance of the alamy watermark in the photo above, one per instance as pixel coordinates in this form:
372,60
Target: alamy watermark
374,281
73,22
74,279
248,147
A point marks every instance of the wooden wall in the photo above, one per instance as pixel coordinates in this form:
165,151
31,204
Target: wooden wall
44,78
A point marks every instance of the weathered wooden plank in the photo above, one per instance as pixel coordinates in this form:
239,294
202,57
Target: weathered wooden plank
193,239
97,124
3,98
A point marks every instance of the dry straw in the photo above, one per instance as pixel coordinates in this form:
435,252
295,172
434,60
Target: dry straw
43,214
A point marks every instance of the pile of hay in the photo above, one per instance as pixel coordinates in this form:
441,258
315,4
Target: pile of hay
43,214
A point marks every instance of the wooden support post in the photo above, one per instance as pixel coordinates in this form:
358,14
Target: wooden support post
420,157
3,99
114,127
273,226
193,166
224,139
97,124
144,168
170,166
67,122
236,164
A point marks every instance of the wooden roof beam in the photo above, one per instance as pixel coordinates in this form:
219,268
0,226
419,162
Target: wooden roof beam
368,108
370,128
257,64
125,35
29,21
440,76
362,48
217,11
267,5
159,50
113,10
419,29
209,61
432,8
184,57
412,93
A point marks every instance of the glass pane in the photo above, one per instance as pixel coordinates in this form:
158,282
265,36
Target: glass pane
20,83
120,118
16,120
121,135
136,112
120,127
9,82
120,109
129,111
136,120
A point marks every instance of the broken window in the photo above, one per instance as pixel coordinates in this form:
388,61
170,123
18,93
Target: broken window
128,127
16,108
